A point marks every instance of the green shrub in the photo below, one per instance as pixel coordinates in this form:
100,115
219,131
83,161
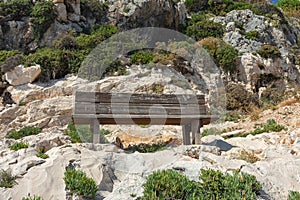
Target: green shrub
16,9
42,16
142,57
116,68
226,57
99,35
294,195
78,183
4,55
93,9
269,51
104,132
41,154
211,131
233,116
72,132
18,145
169,184
67,41
290,7
204,28
265,128
7,180
23,132
252,35
56,63
195,5
32,198
150,148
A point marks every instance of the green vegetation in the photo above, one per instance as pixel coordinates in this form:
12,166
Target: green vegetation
150,148
290,7
252,35
211,131
104,131
4,55
42,16
32,198
19,145
233,116
15,9
294,195
7,180
23,132
116,68
41,154
248,157
93,8
271,125
170,184
142,57
200,27
78,183
269,51
72,133
224,55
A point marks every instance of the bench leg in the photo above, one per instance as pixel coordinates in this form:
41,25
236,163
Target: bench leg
95,130
196,135
186,131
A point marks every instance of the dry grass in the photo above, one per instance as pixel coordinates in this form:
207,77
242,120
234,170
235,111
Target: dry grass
288,102
248,157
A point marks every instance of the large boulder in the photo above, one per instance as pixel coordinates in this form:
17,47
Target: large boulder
21,75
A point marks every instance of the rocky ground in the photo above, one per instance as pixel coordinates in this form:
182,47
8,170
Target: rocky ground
275,155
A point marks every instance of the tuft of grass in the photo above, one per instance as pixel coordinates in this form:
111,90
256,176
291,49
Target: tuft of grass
269,51
7,180
252,35
78,183
72,133
248,157
211,131
41,154
104,132
19,145
25,131
32,198
294,195
142,57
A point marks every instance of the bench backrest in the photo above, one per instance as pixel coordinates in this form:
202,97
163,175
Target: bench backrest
173,108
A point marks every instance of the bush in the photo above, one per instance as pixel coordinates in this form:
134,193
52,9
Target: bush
204,28
42,16
32,198
238,98
269,51
56,63
65,42
142,57
99,35
195,5
4,55
116,68
225,55
169,184
18,145
294,195
23,132
290,7
93,9
7,180
16,9
78,183
252,35
72,132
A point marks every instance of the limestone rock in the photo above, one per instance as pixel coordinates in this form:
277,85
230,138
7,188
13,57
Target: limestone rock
21,75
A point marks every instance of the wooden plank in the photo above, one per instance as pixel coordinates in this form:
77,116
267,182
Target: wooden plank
102,116
138,98
89,108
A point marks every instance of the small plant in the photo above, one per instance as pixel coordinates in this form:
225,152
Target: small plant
211,131
7,180
23,132
233,116
252,35
32,198
104,132
126,10
294,195
248,157
19,145
142,57
73,133
41,154
78,183
150,148
269,51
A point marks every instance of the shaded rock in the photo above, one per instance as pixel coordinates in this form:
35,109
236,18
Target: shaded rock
21,75
7,99
224,146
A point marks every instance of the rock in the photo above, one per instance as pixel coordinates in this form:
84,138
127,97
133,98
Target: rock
21,75
7,99
62,12
224,146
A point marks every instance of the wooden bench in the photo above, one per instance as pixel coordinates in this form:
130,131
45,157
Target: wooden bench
188,111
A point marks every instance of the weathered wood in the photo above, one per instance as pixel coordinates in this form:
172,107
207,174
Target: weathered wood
186,132
97,97
196,124
89,108
95,130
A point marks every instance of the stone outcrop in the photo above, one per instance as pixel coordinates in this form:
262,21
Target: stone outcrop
21,75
